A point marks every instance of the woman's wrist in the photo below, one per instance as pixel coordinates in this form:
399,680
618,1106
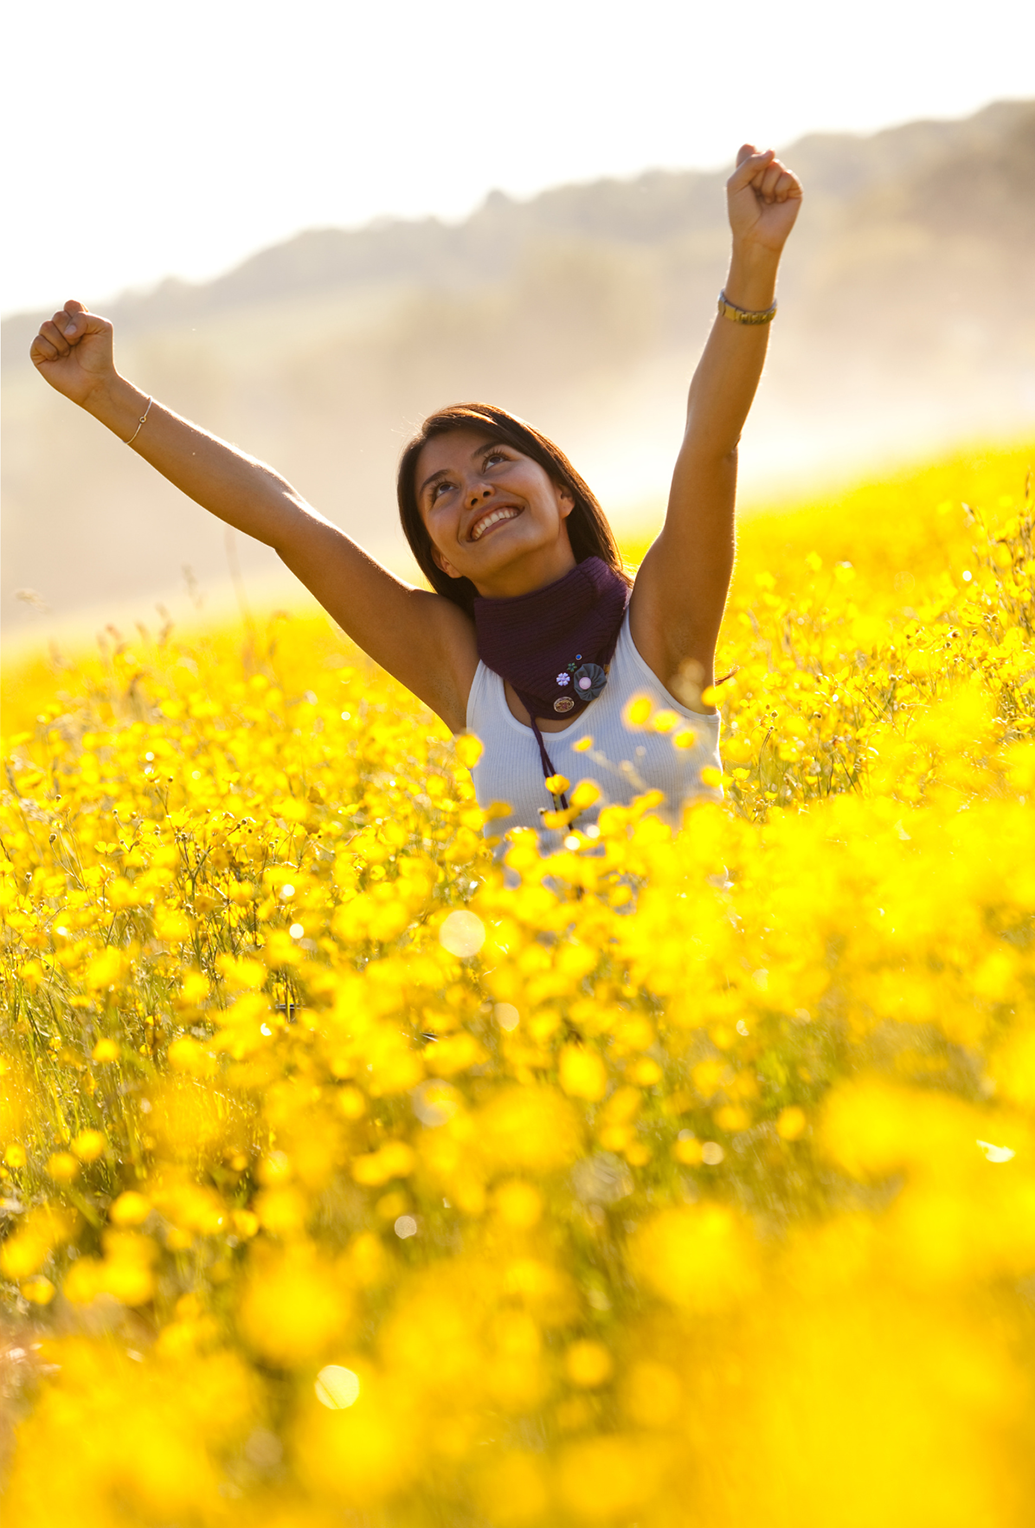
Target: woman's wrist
116,403
751,282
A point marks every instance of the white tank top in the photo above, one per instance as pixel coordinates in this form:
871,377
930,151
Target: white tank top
624,762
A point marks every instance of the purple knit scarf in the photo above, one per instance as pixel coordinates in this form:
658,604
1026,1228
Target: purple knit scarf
554,644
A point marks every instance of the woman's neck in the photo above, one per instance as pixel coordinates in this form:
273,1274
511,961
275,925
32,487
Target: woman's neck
536,570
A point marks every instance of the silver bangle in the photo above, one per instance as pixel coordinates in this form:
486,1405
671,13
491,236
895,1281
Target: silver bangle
140,422
730,310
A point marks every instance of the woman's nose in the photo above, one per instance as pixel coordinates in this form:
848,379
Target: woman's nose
476,495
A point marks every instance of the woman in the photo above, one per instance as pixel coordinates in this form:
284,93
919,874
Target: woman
531,638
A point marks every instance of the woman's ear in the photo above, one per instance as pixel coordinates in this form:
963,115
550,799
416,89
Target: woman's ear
566,500
443,564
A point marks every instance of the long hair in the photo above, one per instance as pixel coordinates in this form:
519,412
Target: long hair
588,530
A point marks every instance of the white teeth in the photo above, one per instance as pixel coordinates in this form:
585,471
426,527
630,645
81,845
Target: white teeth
497,514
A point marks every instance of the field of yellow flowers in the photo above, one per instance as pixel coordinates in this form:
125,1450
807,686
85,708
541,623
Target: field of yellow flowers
351,1178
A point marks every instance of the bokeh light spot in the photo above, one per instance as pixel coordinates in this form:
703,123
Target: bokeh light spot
463,933
336,1388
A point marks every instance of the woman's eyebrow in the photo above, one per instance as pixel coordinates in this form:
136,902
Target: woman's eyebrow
441,473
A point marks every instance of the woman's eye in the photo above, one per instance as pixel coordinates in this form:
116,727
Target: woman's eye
495,456
439,488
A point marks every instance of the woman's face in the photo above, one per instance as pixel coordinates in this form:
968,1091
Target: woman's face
494,515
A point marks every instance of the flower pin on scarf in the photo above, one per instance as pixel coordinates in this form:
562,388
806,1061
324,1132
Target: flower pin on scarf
590,679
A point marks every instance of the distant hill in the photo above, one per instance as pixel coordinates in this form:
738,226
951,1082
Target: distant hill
907,319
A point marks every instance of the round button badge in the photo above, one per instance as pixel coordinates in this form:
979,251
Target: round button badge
564,703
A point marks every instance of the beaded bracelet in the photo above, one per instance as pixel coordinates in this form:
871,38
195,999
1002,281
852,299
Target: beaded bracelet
744,315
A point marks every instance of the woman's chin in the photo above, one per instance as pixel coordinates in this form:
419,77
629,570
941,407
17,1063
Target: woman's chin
506,533
507,548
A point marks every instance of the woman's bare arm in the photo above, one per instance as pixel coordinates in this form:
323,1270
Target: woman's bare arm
421,638
681,587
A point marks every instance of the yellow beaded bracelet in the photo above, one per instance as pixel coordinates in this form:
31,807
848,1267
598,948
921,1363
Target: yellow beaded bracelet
730,310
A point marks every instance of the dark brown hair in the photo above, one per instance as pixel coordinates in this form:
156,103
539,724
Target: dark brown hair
588,530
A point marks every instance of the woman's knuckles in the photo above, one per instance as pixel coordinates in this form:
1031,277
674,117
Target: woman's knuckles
52,333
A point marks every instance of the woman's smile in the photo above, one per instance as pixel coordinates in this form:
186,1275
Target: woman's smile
494,516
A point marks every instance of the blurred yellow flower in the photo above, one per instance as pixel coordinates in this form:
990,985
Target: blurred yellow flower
294,1306
105,968
700,1257
637,711
791,1123
519,1204
607,1478
89,1145
130,1209
588,1364
38,1291
582,1072
62,1166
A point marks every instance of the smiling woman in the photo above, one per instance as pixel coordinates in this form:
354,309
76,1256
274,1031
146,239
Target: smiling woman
507,455
531,624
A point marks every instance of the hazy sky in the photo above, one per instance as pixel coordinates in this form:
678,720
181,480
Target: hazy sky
148,140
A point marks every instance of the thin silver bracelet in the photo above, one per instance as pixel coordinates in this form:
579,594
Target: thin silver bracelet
140,422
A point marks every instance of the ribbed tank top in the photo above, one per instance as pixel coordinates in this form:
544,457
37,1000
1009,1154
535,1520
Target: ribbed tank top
624,762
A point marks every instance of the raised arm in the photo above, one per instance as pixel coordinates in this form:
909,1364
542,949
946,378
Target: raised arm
681,588
421,638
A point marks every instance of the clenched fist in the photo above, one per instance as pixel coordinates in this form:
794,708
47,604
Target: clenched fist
73,352
763,197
